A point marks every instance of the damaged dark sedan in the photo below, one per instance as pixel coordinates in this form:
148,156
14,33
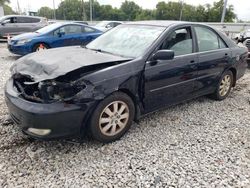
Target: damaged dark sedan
130,71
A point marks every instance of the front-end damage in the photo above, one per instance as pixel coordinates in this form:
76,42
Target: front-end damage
71,87
58,107
58,98
47,91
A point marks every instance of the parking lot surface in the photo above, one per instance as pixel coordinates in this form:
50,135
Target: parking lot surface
200,143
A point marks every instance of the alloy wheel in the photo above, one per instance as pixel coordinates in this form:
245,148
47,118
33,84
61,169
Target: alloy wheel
225,85
114,118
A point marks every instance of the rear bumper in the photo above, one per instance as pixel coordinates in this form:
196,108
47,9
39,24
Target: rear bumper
63,120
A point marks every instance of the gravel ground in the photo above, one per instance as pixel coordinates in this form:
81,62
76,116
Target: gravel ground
201,143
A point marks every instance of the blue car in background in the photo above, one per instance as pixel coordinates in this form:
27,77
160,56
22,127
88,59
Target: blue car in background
53,36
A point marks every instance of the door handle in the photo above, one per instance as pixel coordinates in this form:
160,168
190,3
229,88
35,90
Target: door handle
192,61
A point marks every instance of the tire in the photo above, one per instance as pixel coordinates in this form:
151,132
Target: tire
107,126
224,86
38,46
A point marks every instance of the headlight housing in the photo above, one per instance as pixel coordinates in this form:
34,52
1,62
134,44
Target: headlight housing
53,90
23,41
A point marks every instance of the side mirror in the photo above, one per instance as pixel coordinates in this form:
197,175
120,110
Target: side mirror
164,55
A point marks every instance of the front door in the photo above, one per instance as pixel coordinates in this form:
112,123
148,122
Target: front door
68,35
170,81
9,27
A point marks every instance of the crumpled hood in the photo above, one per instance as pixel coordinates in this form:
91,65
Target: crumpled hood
52,63
26,36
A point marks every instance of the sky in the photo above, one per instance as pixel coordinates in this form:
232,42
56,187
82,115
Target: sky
242,7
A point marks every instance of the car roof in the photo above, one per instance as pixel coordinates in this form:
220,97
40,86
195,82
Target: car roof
8,16
162,23
111,21
73,23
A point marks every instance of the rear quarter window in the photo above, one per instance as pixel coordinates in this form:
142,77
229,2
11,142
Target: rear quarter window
88,30
27,20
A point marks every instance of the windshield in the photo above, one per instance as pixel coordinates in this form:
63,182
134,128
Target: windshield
102,24
49,28
127,40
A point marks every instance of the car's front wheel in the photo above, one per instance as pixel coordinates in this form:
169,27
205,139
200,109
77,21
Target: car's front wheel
224,86
112,117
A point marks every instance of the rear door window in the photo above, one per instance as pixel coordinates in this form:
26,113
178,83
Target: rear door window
27,20
88,30
69,30
208,40
73,29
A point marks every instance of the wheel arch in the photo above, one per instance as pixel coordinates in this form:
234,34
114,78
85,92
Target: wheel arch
233,70
135,101
36,43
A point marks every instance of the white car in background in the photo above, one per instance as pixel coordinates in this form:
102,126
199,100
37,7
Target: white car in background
242,36
247,44
107,25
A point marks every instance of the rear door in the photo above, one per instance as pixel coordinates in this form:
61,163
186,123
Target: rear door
171,81
23,25
214,56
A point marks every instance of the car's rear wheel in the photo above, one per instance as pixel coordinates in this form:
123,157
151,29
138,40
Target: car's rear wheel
40,47
112,117
224,87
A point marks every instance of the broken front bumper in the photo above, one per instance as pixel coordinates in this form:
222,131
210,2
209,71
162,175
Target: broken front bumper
55,120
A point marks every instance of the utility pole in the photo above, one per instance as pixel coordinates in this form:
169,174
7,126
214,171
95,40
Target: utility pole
91,11
18,7
224,12
83,12
182,3
54,9
64,17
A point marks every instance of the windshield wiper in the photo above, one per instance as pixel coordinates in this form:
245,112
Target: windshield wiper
105,52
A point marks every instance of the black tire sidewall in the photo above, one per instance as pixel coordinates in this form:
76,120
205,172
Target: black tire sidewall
94,121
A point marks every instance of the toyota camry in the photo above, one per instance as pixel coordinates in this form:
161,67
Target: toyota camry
126,73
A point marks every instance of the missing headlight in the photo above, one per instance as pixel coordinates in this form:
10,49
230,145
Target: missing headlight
53,90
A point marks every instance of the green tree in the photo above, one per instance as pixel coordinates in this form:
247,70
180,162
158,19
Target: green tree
70,10
8,10
2,2
130,9
46,12
146,15
168,11
214,12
